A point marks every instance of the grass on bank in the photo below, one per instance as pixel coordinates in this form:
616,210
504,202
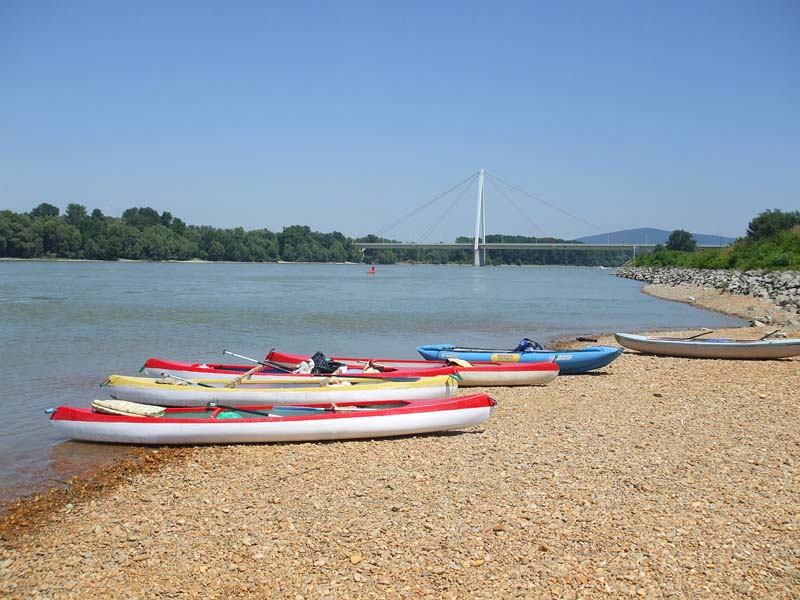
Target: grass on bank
777,252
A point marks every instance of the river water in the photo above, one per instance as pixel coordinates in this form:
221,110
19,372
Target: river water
65,326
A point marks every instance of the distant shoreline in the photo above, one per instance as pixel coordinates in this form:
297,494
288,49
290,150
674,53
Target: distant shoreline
199,261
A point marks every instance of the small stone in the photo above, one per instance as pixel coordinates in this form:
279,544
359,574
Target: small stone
356,558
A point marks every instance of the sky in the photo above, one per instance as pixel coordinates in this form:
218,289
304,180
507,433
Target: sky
349,116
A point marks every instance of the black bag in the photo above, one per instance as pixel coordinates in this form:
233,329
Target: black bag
324,366
527,345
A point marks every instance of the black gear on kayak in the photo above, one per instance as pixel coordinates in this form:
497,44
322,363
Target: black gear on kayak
324,365
527,345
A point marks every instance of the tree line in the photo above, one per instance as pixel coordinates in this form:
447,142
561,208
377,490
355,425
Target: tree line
142,233
146,234
772,242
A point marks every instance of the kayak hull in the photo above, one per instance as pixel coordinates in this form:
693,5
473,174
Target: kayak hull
149,391
711,347
570,362
484,374
157,367
413,417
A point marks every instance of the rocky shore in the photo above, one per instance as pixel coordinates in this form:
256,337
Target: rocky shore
653,478
779,288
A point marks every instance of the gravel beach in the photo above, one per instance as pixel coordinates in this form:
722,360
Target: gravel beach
654,477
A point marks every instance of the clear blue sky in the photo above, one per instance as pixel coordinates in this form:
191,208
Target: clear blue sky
348,115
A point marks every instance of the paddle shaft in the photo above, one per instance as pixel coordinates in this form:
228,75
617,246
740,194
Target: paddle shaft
277,366
259,362
699,334
247,410
186,380
770,334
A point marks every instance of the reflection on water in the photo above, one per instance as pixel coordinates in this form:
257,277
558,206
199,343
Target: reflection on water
69,458
66,459
56,349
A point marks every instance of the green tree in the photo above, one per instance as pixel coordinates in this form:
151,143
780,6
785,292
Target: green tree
123,241
22,235
75,214
157,243
770,222
178,226
216,251
141,217
60,239
681,240
45,210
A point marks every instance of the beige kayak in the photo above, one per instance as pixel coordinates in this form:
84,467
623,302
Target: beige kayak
171,392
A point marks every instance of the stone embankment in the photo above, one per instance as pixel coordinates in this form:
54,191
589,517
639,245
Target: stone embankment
782,288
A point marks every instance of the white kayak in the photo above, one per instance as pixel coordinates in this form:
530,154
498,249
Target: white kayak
120,422
168,392
710,347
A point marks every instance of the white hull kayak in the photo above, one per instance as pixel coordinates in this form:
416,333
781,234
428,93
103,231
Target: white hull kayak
149,391
512,375
710,347
396,418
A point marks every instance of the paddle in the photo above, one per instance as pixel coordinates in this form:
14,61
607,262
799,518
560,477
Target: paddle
770,334
706,332
263,414
268,363
260,362
189,381
237,380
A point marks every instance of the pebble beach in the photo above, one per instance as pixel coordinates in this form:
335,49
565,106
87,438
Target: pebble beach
654,477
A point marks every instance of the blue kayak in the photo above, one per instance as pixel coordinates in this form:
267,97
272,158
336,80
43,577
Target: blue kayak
570,362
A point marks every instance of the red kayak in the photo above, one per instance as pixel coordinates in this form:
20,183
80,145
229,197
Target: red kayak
156,367
132,423
476,374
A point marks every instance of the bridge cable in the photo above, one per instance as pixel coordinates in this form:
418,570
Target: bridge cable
441,217
426,205
522,212
548,204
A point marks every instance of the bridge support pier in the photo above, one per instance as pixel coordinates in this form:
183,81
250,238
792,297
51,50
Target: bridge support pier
480,225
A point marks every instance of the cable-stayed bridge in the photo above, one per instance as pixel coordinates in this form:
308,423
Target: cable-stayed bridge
478,244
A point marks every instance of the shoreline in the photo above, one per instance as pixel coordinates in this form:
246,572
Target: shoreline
629,463
749,308
199,261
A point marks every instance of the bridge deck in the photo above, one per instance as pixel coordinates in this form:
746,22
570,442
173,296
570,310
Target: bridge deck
503,246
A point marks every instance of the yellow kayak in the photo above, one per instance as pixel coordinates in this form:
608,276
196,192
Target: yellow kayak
198,392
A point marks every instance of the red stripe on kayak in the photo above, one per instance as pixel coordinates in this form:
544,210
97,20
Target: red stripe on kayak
71,413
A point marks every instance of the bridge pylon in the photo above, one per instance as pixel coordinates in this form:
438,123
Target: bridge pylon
480,226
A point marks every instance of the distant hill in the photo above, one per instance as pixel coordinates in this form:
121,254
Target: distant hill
649,235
